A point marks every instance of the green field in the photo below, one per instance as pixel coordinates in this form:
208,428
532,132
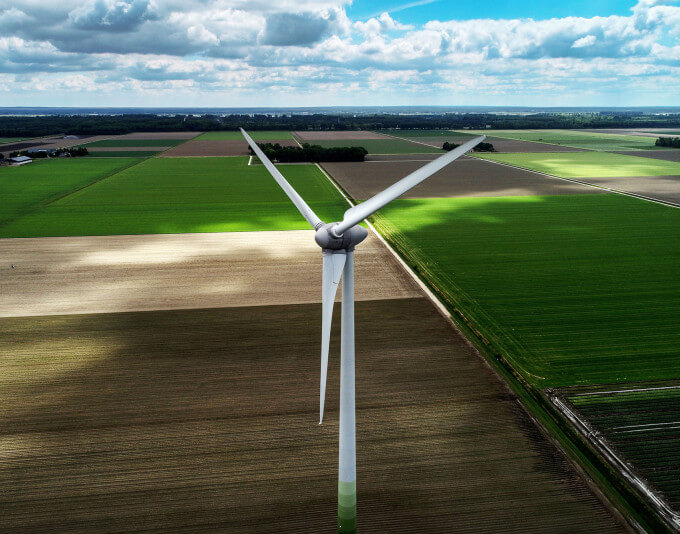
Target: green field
257,135
383,146
4,140
644,426
575,138
134,142
175,195
26,187
444,134
573,289
587,164
122,153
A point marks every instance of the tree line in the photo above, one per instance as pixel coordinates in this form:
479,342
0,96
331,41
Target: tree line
480,147
28,126
313,153
672,142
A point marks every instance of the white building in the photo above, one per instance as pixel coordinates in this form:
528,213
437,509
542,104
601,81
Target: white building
20,160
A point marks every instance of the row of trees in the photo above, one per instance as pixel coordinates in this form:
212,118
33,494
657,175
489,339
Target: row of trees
27,126
481,147
314,153
673,142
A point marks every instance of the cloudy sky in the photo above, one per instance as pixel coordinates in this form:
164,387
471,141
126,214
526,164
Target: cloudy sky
325,52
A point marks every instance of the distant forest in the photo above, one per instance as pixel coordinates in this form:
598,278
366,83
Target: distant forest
28,126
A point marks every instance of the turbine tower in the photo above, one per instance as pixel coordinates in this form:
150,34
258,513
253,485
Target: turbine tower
337,241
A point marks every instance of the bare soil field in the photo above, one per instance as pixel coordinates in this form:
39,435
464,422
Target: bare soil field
668,155
216,148
206,420
464,178
338,135
666,188
66,275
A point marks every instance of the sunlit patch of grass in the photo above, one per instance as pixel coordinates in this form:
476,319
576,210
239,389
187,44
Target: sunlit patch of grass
572,289
587,164
178,195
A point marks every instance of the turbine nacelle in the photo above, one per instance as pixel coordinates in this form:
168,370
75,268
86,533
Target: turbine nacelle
327,239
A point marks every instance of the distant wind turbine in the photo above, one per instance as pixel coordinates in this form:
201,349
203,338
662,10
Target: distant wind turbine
337,241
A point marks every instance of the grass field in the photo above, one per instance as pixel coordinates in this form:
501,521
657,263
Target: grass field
121,153
175,195
134,142
573,289
27,187
644,426
575,138
587,164
384,146
4,140
257,135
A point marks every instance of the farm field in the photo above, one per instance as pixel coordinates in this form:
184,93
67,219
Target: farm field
572,289
4,140
587,164
500,144
134,143
668,155
27,187
213,147
468,177
643,424
256,135
179,195
576,139
384,146
122,153
337,135
122,273
185,419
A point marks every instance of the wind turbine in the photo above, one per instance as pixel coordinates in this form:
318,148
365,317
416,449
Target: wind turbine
337,241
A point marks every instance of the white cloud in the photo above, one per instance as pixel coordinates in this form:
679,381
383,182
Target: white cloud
309,48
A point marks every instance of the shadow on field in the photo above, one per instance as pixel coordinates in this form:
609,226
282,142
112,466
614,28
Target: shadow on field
206,420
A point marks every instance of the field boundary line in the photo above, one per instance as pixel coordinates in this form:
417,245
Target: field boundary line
592,436
580,182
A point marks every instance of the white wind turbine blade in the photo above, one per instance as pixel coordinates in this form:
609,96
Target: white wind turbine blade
359,212
300,204
333,265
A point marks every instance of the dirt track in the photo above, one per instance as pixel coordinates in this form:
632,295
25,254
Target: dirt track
64,275
206,420
463,178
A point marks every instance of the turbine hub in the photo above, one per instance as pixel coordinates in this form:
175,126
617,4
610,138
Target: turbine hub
326,239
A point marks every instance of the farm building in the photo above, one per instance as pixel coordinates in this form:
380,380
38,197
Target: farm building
19,160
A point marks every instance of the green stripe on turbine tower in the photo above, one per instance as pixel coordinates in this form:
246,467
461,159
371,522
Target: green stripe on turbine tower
347,507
